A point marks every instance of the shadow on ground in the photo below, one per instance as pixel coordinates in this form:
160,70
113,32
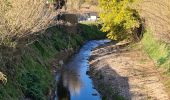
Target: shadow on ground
108,82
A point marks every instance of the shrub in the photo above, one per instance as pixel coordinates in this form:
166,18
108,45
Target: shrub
21,18
119,19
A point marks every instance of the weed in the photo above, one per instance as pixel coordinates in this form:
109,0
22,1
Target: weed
157,50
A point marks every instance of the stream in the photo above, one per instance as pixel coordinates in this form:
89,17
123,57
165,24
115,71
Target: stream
72,81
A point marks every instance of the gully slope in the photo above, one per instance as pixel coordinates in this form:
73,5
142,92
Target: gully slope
123,73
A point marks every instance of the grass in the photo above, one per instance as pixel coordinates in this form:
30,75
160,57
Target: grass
160,53
91,30
30,76
157,50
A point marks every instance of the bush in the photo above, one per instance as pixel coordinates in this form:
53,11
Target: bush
118,18
21,18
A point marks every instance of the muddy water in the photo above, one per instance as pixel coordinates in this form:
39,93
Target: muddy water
72,81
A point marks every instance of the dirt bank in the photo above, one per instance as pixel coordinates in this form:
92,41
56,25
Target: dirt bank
125,73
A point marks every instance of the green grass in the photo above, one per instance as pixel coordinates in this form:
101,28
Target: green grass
31,75
159,51
91,30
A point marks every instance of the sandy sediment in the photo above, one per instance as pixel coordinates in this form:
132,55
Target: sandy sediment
120,73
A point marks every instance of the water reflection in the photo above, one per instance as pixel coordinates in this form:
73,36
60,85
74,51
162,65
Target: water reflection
63,92
72,81
68,82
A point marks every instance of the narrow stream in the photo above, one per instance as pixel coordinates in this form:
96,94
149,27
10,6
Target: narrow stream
72,81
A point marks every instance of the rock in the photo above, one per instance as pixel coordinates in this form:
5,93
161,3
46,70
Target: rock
87,72
94,94
93,87
61,62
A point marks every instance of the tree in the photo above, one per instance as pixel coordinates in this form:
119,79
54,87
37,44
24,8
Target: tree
22,18
118,18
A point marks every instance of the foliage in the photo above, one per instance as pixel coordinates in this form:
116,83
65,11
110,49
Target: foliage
30,77
119,20
91,30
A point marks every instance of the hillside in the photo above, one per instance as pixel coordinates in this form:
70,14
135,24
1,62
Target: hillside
157,17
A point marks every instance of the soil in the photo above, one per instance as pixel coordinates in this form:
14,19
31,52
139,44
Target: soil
122,72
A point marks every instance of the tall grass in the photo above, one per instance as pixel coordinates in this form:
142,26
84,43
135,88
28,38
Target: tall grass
159,51
20,18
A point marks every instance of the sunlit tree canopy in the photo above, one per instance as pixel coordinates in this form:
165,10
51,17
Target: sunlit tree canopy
118,18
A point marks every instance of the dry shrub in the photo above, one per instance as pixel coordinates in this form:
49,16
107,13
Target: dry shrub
20,18
3,78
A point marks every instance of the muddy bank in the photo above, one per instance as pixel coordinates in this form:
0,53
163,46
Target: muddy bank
120,72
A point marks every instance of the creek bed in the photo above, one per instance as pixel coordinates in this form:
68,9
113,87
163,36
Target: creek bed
73,83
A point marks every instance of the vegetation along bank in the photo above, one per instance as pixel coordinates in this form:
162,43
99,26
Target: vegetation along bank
28,68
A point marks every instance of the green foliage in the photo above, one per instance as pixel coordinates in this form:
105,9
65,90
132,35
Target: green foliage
34,78
50,1
9,91
91,31
31,76
119,20
157,50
